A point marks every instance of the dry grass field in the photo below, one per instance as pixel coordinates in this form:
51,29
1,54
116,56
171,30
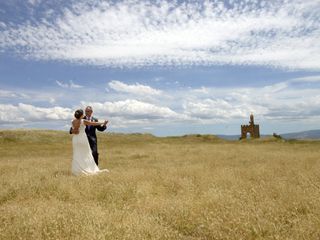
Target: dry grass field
192,187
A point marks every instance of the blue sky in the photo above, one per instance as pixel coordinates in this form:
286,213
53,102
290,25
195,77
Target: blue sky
163,67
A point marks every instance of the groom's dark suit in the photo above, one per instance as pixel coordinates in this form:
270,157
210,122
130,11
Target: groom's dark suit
92,138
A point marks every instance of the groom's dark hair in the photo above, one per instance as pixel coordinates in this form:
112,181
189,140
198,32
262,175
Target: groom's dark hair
78,113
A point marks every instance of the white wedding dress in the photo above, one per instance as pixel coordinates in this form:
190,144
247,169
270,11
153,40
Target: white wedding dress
83,162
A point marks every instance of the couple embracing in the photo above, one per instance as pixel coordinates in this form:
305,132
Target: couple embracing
84,142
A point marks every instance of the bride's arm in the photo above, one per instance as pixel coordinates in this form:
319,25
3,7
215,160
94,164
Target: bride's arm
86,122
75,127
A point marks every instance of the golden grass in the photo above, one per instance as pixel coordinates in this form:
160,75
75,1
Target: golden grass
191,187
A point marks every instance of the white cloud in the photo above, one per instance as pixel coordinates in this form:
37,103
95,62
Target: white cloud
158,79
137,88
61,84
143,33
10,114
276,87
202,90
121,113
7,94
307,79
278,102
34,2
213,109
3,25
132,109
28,113
29,96
224,105
73,85
52,100
70,85
13,94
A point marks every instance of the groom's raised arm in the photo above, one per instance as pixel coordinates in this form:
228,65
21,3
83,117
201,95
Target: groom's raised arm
100,128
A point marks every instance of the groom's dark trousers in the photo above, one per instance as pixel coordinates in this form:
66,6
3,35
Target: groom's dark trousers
92,138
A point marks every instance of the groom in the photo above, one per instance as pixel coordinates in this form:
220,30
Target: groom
91,133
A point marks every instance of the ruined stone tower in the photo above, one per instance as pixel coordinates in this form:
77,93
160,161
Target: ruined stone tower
252,128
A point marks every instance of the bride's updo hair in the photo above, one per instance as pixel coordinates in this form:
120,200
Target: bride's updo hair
78,113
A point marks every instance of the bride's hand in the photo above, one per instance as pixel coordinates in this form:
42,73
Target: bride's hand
105,122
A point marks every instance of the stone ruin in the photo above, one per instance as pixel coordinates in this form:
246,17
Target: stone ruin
252,129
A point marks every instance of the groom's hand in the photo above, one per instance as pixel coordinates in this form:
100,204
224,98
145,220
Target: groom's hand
74,131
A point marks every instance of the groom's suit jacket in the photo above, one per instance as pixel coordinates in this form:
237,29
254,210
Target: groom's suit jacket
91,131
92,138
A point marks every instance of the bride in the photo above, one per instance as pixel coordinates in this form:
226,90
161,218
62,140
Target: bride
83,162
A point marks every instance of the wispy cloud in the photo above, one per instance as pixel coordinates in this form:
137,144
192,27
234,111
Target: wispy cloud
34,2
12,94
70,85
30,97
137,88
3,25
143,33
307,79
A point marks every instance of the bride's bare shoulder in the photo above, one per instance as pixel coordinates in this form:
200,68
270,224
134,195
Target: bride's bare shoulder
76,122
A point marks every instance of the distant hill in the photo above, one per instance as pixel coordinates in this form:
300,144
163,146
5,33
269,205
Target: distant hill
229,137
312,134
236,137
